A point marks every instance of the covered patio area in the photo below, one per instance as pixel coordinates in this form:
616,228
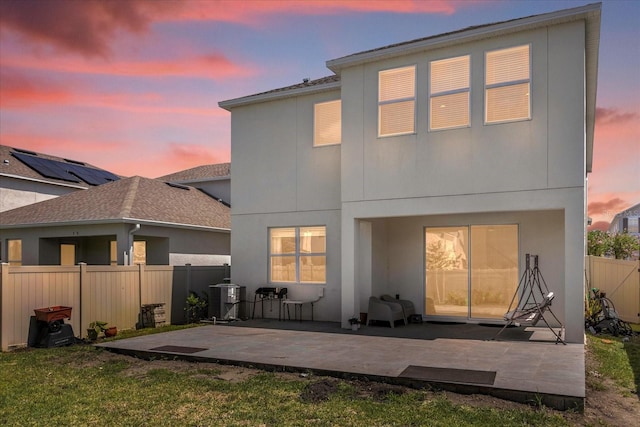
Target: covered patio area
524,366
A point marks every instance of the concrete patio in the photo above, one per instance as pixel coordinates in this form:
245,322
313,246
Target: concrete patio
524,366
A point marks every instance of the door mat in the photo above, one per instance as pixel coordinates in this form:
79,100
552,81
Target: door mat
449,375
178,349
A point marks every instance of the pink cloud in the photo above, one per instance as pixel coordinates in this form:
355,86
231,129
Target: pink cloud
250,12
212,66
89,27
614,206
173,158
600,225
19,92
86,27
613,116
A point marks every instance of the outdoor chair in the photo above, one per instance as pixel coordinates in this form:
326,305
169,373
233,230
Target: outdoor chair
407,306
385,311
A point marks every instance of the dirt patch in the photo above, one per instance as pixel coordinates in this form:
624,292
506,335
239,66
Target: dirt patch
319,391
606,403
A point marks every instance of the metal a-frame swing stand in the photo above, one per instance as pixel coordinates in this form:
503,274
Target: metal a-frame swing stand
535,299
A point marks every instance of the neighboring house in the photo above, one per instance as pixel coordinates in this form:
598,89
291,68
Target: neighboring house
426,169
28,177
626,221
133,220
215,180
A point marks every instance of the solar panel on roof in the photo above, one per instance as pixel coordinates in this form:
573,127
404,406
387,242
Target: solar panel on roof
72,172
45,167
90,175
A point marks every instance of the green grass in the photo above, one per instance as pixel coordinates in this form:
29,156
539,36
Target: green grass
618,359
85,385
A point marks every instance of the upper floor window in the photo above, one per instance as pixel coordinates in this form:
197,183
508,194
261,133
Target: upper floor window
507,84
449,93
297,254
396,101
14,251
327,123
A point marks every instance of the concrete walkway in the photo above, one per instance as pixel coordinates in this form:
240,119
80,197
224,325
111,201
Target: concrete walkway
523,371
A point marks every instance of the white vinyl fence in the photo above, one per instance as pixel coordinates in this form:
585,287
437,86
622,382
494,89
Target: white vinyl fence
620,280
113,294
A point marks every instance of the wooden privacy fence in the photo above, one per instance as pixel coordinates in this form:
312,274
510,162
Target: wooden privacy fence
621,282
113,294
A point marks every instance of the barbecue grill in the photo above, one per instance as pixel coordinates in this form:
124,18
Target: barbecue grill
48,329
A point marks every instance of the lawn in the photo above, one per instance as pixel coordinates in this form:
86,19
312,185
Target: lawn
82,385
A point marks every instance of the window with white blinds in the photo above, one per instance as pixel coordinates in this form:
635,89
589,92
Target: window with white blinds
396,101
327,123
508,85
449,93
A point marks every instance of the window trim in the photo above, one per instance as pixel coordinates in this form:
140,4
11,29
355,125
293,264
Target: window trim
506,84
450,92
413,98
315,121
297,254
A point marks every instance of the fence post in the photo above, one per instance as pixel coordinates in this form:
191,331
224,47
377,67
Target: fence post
4,279
83,296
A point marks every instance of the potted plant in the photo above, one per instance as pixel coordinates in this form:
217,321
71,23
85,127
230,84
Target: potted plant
111,331
95,328
355,323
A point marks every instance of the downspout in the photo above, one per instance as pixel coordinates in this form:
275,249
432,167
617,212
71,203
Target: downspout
134,230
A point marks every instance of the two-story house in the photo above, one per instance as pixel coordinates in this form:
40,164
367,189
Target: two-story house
627,221
426,169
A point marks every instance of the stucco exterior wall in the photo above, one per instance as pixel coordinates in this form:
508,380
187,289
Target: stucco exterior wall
275,166
378,194
250,255
15,193
547,151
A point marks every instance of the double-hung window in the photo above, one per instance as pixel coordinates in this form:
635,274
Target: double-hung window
508,84
396,101
297,255
327,123
449,93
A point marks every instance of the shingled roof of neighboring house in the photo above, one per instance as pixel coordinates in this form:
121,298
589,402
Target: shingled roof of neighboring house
199,173
126,200
13,167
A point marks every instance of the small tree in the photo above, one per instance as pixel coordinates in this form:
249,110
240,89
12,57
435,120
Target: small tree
624,245
599,243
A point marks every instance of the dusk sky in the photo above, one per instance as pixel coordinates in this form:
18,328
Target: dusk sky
133,86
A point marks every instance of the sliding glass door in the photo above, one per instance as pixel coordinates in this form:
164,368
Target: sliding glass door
471,271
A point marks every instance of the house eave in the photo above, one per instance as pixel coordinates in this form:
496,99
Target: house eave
466,36
272,96
43,181
590,14
116,221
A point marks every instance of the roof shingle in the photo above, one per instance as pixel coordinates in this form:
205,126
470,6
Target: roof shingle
130,198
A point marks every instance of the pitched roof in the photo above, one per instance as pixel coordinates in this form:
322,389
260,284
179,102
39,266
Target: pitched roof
11,166
134,199
199,173
305,88
589,12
